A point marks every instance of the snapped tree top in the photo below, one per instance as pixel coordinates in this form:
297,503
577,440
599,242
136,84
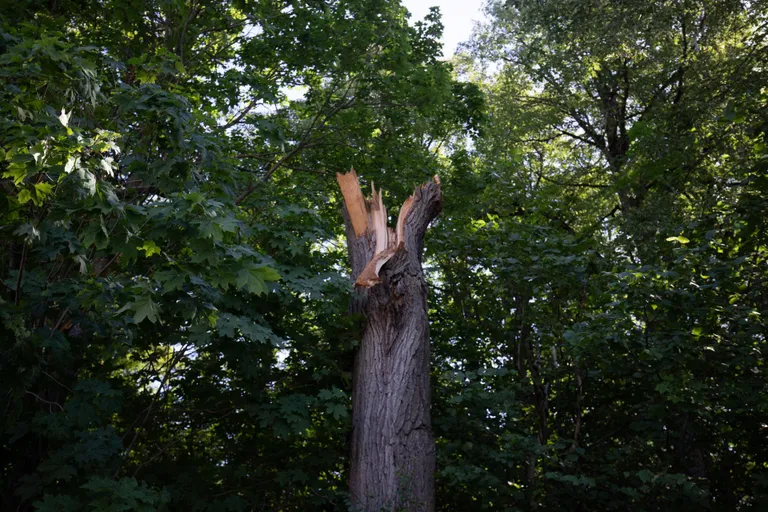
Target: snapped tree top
370,216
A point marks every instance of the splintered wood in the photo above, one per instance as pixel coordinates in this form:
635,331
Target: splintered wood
401,218
369,218
378,219
353,199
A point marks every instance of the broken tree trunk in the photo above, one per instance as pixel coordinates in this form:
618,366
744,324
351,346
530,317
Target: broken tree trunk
393,452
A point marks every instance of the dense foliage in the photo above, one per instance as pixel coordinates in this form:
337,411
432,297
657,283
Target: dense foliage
174,308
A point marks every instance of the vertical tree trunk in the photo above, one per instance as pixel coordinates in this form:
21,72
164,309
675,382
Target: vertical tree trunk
393,451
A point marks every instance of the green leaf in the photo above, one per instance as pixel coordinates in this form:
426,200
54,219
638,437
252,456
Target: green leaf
339,411
25,196
145,308
44,189
38,152
171,279
95,234
41,191
57,503
106,165
82,262
267,274
249,280
64,118
16,171
72,163
27,230
87,180
681,239
149,247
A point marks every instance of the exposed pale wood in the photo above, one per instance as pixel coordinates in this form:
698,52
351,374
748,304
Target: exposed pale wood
378,220
354,201
400,235
370,274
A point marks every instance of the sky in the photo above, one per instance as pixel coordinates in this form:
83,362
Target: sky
458,17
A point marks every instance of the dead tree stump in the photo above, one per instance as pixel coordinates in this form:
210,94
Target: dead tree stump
392,451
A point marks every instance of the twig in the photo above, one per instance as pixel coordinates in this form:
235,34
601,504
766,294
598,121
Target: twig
56,381
45,401
59,322
21,273
105,267
577,428
305,138
566,184
171,364
242,197
239,116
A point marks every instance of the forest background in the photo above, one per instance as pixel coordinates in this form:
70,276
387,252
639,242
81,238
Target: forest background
174,292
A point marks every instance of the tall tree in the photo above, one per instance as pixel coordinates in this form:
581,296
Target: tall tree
585,351
171,318
392,453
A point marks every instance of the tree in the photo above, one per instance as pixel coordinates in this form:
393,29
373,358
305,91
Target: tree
392,449
580,351
172,315
175,323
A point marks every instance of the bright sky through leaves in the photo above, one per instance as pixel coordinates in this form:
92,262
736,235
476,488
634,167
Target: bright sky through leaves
458,18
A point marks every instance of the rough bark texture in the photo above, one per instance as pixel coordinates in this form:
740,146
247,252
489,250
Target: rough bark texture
393,451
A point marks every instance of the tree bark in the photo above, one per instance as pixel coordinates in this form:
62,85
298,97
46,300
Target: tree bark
392,448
